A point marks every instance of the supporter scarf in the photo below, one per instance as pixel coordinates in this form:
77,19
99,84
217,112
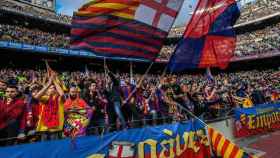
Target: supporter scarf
29,115
146,106
139,99
50,113
156,102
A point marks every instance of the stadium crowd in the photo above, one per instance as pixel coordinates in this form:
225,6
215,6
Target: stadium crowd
40,105
251,43
258,9
20,34
249,11
258,42
34,11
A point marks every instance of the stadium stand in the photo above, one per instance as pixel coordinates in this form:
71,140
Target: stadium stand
33,11
257,42
258,9
100,92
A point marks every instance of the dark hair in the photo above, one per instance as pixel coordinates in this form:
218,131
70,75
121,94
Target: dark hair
12,82
12,86
3,81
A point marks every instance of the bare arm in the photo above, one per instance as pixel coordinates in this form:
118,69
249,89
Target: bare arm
58,88
43,90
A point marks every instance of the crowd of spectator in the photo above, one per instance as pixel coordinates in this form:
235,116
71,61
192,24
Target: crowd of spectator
249,11
39,105
258,9
34,11
15,33
251,43
258,42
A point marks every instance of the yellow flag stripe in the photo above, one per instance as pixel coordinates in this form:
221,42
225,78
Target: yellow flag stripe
229,150
85,13
116,6
239,154
220,146
215,134
124,15
120,14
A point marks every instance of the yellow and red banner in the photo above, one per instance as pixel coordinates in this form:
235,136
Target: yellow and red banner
223,147
256,120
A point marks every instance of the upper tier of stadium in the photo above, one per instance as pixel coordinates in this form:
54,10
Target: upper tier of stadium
249,12
257,28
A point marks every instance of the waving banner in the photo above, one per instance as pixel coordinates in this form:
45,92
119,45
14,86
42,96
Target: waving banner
181,140
257,120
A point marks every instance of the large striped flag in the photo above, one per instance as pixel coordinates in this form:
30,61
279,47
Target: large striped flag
209,39
123,28
224,148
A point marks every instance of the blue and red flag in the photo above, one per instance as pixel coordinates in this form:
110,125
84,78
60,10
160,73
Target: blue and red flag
209,39
124,28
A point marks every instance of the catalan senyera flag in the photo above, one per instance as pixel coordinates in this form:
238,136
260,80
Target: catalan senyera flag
123,28
224,148
209,39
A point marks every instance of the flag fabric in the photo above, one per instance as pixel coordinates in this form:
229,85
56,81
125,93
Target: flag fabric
209,39
223,147
123,28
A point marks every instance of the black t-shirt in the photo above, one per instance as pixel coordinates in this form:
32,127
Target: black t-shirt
94,101
258,97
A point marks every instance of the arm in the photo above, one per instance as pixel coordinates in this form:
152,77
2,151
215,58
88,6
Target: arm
43,90
211,95
58,88
113,78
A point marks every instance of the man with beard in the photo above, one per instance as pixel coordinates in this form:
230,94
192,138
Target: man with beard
77,114
11,110
98,102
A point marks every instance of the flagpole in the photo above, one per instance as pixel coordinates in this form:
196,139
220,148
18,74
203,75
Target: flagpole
140,82
105,70
131,71
201,121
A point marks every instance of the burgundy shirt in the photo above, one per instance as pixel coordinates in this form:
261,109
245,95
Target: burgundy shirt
11,112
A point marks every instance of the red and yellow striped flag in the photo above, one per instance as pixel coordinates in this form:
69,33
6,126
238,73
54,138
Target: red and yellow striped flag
122,8
224,148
